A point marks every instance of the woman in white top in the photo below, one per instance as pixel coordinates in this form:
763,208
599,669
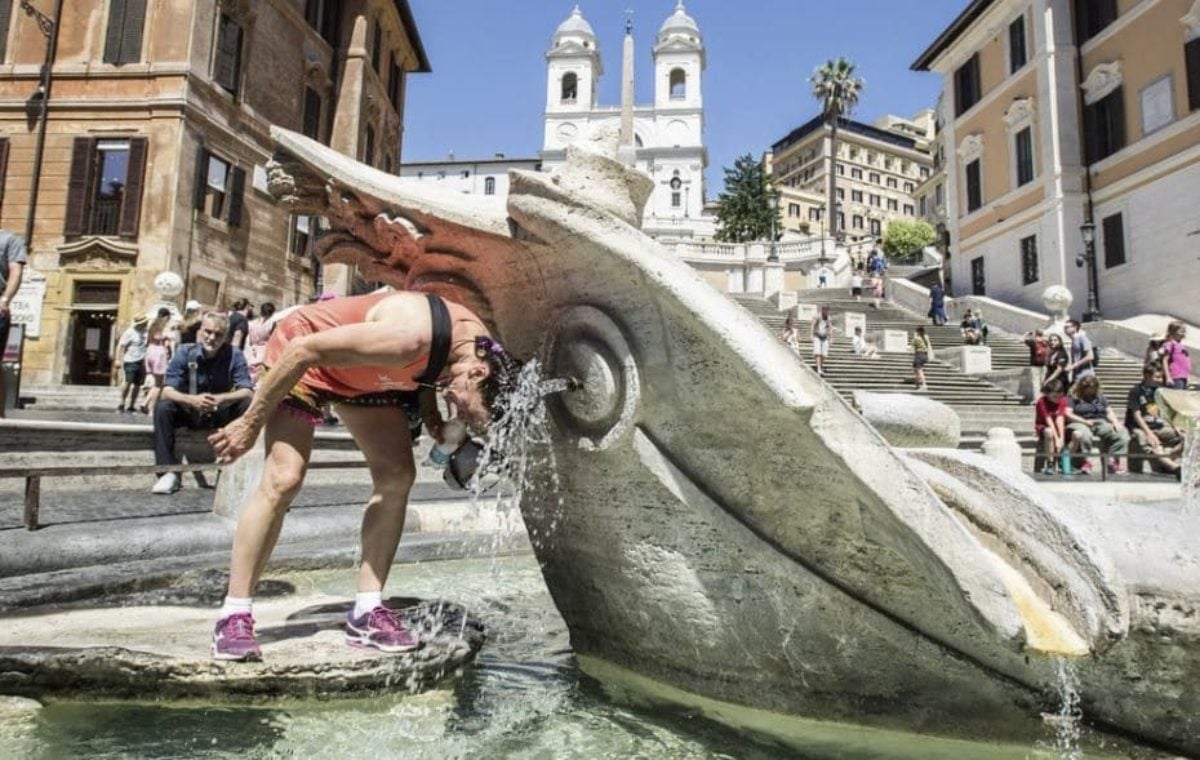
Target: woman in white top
822,334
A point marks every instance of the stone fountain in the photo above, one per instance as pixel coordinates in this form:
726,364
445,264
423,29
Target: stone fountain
720,521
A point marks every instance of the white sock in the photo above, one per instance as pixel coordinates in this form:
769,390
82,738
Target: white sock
365,601
234,605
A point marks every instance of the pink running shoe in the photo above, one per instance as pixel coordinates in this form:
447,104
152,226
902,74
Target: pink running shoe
379,629
234,639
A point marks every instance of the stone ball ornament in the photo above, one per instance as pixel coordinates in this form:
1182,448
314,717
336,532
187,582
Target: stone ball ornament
1057,299
168,284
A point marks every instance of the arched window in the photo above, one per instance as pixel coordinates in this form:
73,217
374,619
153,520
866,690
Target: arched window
489,186
678,84
570,87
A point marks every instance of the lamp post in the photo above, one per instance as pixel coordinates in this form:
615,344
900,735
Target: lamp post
773,256
1088,258
49,29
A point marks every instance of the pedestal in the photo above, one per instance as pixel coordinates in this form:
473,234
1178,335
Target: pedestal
893,341
976,359
1001,445
772,278
851,320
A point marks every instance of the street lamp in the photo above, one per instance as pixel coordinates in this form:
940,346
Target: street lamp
1088,258
773,256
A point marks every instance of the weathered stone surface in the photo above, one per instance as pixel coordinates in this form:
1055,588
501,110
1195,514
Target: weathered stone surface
162,652
733,528
909,420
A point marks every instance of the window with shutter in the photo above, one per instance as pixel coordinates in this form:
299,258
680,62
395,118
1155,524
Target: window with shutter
107,195
1191,55
6,8
974,186
312,114
78,187
126,23
395,83
237,191
3,168
369,147
376,46
1029,260
1114,241
227,60
1104,126
966,86
1017,55
1024,149
978,277
131,203
1093,17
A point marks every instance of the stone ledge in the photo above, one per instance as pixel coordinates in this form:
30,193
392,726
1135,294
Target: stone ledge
163,652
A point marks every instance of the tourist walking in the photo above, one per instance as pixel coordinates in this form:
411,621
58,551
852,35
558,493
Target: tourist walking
821,330
1038,346
856,285
1090,420
131,357
239,323
1081,351
922,351
1049,420
1152,433
158,356
791,334
369,355
1056,362
937,304
876,290
257,334
12,266
1176,360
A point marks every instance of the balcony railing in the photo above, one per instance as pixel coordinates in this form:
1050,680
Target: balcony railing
106,216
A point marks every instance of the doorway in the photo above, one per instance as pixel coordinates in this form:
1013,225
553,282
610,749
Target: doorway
93,317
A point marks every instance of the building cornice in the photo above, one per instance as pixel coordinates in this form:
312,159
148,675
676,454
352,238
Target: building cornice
951,34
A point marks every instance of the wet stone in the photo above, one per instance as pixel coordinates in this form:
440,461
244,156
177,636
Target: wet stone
162,652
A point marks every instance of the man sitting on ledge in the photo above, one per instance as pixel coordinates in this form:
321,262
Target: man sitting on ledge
207,387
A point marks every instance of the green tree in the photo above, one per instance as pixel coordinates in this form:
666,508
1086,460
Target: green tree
834,84
746,209
903,237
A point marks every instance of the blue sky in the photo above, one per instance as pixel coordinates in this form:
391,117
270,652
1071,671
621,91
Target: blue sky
487,90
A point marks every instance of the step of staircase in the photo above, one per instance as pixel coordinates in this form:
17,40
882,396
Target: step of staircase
88,398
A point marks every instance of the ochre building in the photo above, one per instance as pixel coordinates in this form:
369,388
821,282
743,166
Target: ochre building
154,151
1066,120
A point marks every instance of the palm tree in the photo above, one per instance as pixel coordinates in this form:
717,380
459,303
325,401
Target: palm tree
834,84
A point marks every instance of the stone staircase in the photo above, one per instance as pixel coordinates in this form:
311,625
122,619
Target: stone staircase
980,404
82,398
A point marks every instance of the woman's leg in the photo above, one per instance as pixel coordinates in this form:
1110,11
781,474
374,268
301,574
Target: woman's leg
289,444
382,435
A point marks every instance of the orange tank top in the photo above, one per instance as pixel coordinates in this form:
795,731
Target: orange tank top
345,382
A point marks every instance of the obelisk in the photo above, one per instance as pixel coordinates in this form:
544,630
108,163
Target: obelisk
626,152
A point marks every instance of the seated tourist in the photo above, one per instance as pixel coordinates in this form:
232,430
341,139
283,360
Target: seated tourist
1152,433
862,347
1050,419
1091,419
207,387
969,329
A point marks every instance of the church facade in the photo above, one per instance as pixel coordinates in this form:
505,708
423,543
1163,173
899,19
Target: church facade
667,136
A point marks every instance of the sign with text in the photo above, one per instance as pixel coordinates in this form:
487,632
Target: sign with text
26,306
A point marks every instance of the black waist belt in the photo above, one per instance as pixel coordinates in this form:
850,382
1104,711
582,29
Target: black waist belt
439,348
